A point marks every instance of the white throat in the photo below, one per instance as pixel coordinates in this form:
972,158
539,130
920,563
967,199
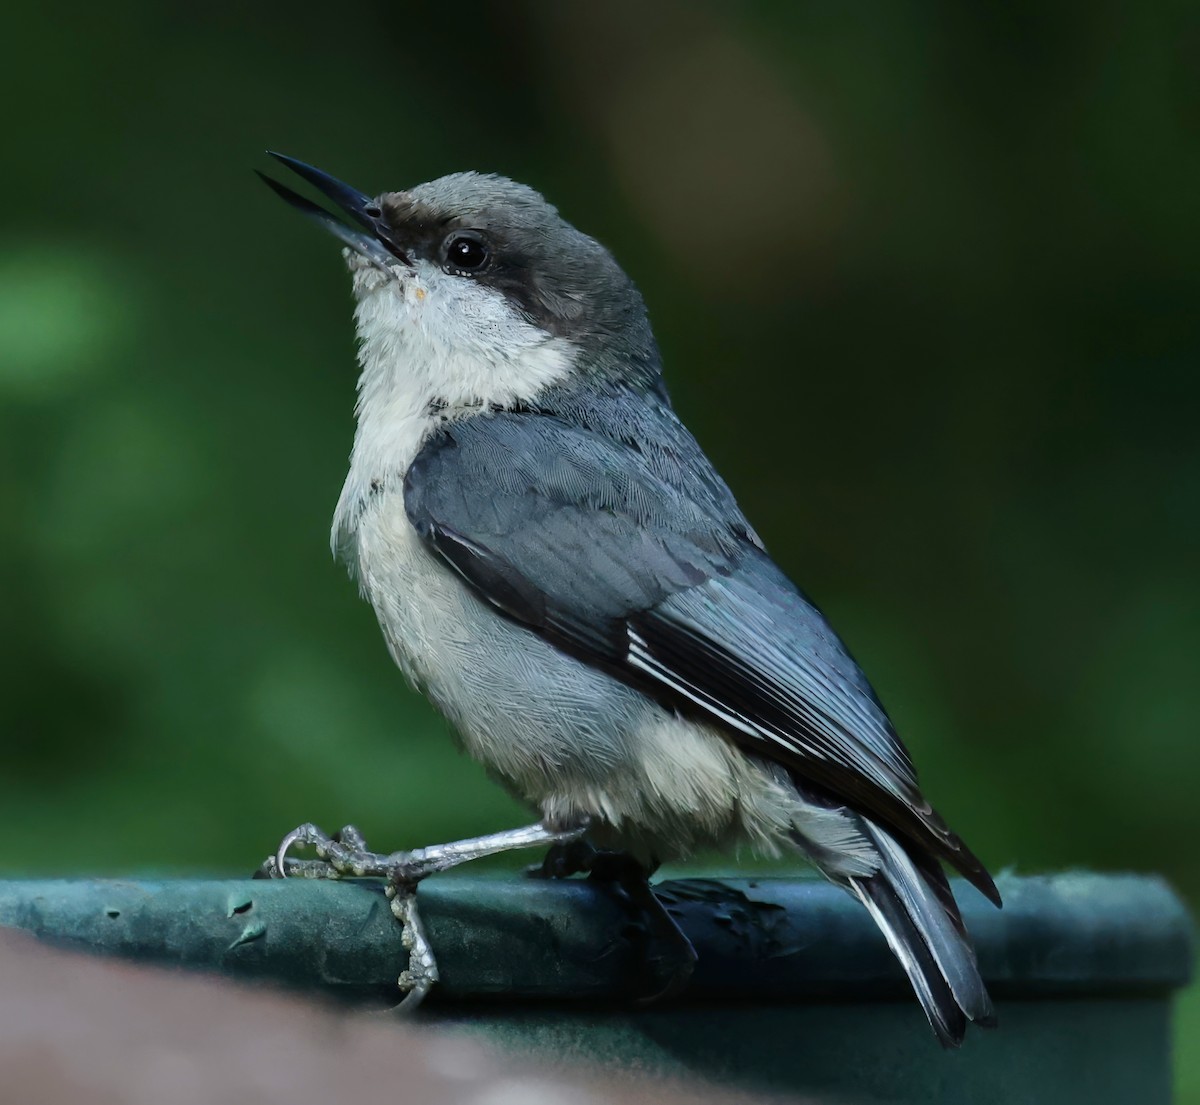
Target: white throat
432,347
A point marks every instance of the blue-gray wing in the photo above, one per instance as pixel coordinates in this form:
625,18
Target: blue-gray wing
628,551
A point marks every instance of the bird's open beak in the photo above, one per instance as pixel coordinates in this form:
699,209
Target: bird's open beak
370,237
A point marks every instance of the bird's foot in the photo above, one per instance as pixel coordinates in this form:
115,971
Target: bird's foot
564,860
345,855
418,978
667,951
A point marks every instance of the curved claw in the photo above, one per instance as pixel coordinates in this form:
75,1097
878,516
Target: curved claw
408,1004
294,837
281,854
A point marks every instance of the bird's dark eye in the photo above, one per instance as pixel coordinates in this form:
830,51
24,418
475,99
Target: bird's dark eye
467,253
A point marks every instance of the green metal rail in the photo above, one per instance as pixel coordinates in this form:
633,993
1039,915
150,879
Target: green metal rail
795,989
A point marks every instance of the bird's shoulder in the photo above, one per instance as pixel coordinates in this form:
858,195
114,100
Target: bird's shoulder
604,503
611,450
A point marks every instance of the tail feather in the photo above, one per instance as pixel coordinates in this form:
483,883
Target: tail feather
934,874
925,932
945,1016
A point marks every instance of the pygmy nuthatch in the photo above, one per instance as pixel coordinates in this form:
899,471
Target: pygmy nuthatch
555,563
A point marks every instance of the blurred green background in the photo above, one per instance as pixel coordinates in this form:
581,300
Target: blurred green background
926,281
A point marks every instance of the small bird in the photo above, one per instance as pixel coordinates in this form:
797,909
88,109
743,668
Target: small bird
558,567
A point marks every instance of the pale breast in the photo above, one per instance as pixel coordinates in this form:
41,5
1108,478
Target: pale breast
520,706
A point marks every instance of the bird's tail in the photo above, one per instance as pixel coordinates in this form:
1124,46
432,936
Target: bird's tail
910,899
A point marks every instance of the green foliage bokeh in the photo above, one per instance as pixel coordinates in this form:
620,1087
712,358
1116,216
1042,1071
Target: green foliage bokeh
926,281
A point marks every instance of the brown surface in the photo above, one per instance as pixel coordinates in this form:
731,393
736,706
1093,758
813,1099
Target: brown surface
81,1031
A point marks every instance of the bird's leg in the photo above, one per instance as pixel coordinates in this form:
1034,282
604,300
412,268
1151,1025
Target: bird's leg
345,854
632,881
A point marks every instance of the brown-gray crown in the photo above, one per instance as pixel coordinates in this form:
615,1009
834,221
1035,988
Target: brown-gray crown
506,236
